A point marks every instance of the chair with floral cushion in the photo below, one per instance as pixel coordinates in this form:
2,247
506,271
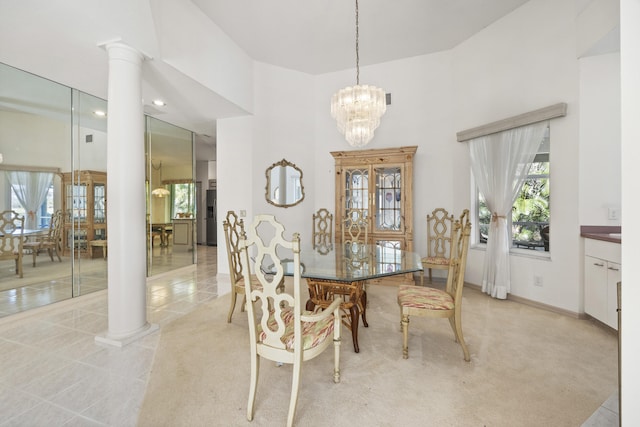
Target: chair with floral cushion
51,241
279,330
233,229
436,303
439,229
12,238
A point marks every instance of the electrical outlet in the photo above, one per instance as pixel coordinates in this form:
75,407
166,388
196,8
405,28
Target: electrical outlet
537,281
614,214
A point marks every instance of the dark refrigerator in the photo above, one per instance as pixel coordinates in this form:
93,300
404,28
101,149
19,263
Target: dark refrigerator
211,218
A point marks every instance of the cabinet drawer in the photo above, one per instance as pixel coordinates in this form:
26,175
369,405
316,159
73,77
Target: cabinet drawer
603,250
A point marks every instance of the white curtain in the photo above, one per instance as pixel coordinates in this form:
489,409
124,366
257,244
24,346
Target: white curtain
31,190
500,162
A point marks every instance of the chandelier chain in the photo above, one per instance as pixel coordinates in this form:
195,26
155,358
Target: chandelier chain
357,109
357,46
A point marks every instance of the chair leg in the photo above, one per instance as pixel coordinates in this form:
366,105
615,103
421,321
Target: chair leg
421,277
405,336
337,324
295,384
255,368
457,331
34,254
233,303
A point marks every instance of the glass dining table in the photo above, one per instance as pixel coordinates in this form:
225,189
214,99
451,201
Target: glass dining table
343,269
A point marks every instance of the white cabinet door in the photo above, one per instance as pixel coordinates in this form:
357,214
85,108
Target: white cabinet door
614,275
595,288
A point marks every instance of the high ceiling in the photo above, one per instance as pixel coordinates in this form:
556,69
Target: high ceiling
318,36
59,40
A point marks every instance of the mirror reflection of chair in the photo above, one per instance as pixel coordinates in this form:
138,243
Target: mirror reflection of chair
12,238
436,303
233,229
355,227
51,242
439,233
279,330
353,294
323,231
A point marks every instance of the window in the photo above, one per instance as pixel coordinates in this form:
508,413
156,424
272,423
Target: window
531,211
43,215
183,199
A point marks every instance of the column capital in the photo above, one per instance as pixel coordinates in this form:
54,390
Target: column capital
117,49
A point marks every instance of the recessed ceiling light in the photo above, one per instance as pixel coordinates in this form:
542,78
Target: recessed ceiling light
159,102
100,113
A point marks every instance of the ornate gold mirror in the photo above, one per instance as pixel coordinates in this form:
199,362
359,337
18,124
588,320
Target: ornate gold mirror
284,184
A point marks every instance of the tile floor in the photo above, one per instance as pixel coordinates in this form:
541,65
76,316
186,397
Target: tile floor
54,373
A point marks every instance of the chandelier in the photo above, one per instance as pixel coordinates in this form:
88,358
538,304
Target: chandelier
161,191
357,109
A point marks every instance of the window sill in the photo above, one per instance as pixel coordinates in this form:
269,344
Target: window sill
525,253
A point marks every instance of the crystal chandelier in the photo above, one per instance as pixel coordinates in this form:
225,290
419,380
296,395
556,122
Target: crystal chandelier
357,109
161,191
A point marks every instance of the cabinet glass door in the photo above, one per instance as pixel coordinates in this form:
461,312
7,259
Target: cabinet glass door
356,191
99,204
77,199
388,198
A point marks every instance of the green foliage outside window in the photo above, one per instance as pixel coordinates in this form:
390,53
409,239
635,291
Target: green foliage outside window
183,199
529,214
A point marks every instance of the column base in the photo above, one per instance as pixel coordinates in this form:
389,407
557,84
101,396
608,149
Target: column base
147,329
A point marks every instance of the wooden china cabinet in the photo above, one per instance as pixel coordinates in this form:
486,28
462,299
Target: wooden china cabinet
84,203
380,182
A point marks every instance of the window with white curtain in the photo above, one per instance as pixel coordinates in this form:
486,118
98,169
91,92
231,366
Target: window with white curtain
31,195
531,211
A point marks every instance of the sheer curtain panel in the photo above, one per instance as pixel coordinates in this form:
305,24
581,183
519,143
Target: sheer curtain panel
500,163
31,190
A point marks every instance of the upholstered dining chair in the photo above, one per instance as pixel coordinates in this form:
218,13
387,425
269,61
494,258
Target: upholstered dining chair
436,303
233,229
439,230
12,238
322,231
278,328
51,242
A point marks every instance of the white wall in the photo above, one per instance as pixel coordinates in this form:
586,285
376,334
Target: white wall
284,129
600,174
235,172
215,61
630,111
511,67
421,113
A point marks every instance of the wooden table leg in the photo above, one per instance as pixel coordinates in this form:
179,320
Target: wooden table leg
363,308
354,326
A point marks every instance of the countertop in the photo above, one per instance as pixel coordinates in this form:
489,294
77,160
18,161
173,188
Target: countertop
607,233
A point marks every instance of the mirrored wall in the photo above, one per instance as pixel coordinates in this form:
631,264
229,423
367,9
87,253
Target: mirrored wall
53,142
171,214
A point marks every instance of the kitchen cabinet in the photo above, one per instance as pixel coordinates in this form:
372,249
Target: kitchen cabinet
602,272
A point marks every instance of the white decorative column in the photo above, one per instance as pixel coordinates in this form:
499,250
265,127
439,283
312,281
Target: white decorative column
126,208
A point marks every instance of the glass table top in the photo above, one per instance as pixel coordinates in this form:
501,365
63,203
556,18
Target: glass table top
352,262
